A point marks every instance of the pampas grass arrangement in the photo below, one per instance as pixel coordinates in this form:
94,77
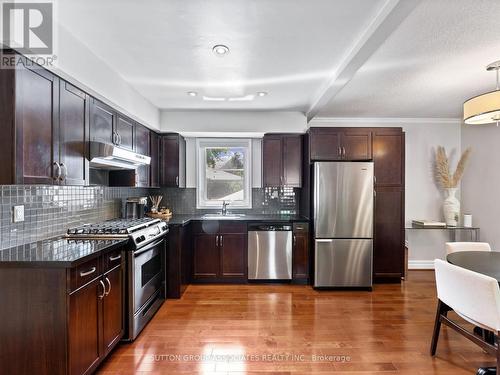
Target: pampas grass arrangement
444,176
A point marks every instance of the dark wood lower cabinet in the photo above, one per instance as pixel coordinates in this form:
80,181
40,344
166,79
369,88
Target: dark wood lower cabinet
388,257
84,334
60,320
219,252
233,255
300,254
206,262
179,260
112,309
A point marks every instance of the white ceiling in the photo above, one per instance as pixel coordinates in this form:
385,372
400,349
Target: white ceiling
429,66
287,48
299,51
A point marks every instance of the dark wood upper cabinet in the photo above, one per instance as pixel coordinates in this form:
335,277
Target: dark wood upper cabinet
73,133
173,161
142,147
292,160
356,144
340,144
46,128
388,155
36,125
125,132
272,170
282,160
154,167
325,144
102,122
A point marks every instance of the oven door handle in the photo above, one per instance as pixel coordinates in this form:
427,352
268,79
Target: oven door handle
148,247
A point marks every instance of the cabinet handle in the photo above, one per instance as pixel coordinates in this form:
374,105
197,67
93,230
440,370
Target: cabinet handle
339,151
115,258
58,171
343,151
64,172
103,290
114,138
89,272
294,240
119,138
217,241
177,181
221,240
109,290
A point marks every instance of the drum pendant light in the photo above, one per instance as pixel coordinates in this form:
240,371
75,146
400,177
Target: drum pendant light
485,108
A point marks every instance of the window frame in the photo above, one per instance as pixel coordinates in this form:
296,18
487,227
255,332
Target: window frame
201,145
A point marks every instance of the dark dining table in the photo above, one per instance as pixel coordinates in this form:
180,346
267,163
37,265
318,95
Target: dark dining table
487,263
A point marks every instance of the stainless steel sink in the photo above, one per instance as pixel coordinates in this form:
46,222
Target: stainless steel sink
222,217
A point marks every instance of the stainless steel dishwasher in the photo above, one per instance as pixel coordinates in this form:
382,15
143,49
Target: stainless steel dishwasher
269,251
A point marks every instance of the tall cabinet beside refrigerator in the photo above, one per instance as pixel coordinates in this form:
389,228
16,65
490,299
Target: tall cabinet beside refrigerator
343,200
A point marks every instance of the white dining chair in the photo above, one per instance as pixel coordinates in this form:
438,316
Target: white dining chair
453,247
474,297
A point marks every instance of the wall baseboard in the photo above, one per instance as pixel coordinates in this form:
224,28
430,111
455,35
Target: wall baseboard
421,264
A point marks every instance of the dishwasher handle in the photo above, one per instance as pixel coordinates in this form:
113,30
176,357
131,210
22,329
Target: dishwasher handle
269,227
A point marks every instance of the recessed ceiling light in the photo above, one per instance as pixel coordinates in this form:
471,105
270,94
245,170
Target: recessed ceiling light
262,93
192,93
220,49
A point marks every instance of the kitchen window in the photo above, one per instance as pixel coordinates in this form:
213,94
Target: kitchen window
224,173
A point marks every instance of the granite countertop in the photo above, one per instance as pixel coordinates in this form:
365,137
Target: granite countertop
56,252
183,219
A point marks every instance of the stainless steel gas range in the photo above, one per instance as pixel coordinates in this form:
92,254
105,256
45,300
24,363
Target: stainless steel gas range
145,265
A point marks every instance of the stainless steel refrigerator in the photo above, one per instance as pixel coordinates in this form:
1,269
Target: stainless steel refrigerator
343,224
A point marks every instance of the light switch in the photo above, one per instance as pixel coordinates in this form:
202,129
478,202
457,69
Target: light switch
18,214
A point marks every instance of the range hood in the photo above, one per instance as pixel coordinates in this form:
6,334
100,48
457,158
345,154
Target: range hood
111,157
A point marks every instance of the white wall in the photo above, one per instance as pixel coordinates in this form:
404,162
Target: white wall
232,123
481,181
79,65
423,198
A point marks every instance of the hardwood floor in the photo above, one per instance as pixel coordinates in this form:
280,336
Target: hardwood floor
385,331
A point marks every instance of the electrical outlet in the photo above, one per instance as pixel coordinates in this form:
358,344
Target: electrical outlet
18,214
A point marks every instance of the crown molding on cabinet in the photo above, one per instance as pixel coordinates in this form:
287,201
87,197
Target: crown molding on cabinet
369,121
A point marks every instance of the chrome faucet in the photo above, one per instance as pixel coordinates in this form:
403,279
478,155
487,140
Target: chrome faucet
224,208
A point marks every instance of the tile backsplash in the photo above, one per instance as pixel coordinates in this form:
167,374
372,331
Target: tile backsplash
50,210
268,201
